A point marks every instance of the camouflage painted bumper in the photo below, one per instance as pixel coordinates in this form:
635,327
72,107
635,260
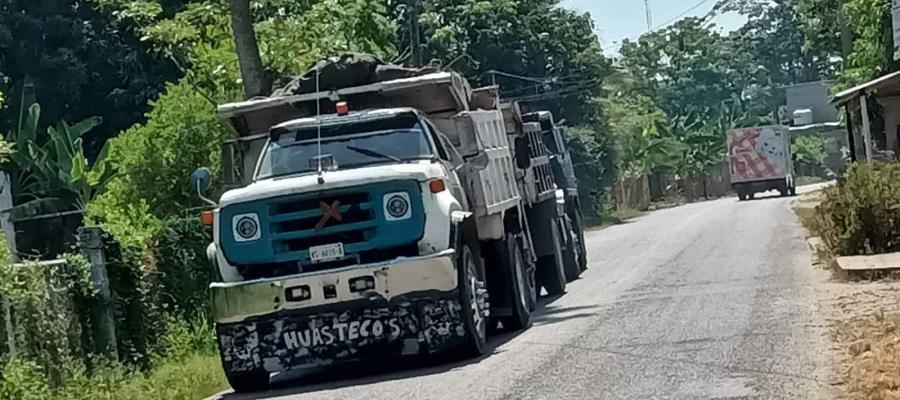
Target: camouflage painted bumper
414,308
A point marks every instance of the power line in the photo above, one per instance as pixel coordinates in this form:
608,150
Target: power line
676,18
686,12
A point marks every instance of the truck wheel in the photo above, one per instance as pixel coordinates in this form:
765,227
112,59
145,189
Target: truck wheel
253,381
579,228
551,267
472,298
572,253
524,290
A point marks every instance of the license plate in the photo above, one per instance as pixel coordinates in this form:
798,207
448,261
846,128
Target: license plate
328,252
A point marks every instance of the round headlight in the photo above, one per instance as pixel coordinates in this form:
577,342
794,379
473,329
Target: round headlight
246,227
396,206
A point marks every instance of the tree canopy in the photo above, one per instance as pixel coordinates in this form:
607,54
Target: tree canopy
79,63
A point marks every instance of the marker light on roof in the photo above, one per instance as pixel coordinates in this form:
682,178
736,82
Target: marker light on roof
342,107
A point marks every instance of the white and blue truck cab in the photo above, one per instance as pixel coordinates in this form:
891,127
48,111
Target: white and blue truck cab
388,224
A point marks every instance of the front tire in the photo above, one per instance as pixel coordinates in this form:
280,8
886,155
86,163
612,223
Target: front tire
471,297
254,381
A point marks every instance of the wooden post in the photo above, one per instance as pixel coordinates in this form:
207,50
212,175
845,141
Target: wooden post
851,136
866,126
91,245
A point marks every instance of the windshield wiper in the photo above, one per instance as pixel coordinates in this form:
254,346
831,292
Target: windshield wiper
373,153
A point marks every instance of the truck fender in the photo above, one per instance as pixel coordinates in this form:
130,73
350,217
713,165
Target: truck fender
212,255
463,229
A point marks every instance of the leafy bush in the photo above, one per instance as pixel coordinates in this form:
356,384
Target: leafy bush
193,376
861,216
593,167
155,159
49,299
23,380
180,249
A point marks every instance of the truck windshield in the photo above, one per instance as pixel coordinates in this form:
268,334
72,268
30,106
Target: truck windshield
344,146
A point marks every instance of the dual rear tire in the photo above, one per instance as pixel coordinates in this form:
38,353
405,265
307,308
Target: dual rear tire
552,267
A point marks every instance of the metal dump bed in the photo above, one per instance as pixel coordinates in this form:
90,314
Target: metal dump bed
438,95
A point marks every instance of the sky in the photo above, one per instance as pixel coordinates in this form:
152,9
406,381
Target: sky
616,20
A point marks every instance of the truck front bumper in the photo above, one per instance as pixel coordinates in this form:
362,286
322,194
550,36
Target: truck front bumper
413,308
404,277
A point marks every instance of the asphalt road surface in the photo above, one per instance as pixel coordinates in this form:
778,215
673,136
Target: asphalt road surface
709,300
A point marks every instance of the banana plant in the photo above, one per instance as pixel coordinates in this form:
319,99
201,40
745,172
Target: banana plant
54,169
88,180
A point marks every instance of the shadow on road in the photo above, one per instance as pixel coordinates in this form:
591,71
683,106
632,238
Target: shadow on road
374,371
765,196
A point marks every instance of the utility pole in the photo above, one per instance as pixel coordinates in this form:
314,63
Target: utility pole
649,15
415,38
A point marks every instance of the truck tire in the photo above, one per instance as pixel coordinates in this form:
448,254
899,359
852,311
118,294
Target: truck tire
572,253
523,295
551,268
471,297
579,228
244,382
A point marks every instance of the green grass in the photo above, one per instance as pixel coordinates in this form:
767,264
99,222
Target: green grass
192,377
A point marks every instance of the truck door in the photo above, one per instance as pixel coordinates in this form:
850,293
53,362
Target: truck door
450,159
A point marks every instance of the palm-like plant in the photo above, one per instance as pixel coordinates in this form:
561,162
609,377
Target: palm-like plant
54,169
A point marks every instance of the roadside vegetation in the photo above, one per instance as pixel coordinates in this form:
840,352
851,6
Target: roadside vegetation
859,216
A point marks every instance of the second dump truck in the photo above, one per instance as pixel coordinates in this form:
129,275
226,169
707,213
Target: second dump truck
384,216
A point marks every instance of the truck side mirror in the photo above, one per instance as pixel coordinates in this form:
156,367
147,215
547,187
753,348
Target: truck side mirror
479,161
201,180
522,153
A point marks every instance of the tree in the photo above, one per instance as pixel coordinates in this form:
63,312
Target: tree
872,55
860,29
545,56
809,153
182,131
255,78
68,52
774,36
549,56
687,68
825,28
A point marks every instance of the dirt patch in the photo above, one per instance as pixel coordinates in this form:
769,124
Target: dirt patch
864,322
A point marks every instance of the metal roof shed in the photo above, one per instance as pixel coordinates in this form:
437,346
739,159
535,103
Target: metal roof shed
886,91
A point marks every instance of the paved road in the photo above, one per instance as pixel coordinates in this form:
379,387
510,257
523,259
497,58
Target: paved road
709,300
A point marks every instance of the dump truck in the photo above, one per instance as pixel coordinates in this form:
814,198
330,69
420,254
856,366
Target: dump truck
371,214
760,160
571,222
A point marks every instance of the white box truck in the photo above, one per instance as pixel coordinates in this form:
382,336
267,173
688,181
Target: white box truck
760,160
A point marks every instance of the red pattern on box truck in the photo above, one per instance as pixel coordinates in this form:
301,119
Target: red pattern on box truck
747,162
